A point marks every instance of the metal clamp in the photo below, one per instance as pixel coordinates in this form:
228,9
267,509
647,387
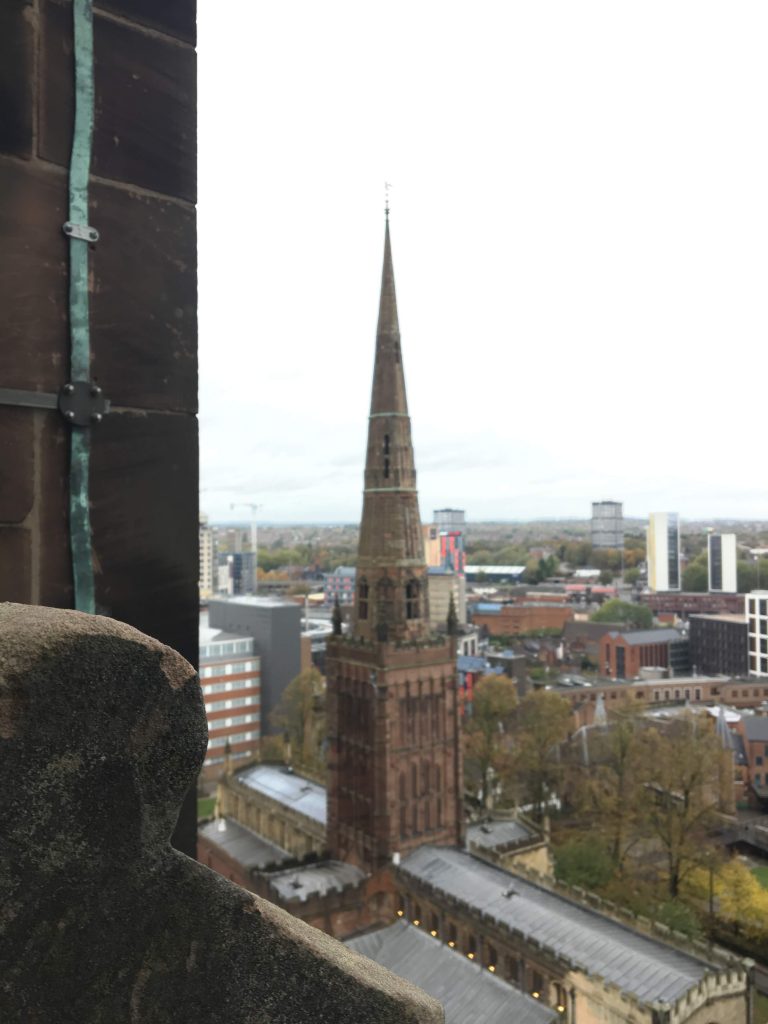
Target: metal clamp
82,231
82,403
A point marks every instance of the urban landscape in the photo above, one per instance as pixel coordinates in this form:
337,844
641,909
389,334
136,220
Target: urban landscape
351,674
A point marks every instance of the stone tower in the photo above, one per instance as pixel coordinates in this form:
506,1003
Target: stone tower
394,767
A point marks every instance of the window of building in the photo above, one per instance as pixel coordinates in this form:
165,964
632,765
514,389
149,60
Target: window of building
412,600
491,957
758,777
427,817
452,935
402,821
758,759
386,469
417,914
362,599
386,444
537,984
471,947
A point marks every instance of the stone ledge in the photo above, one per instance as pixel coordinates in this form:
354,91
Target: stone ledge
101,922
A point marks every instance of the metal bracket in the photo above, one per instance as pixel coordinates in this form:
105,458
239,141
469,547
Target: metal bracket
82,403
83,231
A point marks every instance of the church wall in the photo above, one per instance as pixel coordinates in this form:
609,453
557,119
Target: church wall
282,825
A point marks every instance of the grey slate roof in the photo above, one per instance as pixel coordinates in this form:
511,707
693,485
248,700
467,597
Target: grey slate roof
315,879
245,846
756,728
637,964
285,787
648,636
492,834
469,993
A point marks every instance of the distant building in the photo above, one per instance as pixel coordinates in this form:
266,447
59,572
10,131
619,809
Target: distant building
441,584
757,618
444,541
230,679
719,644
494,573
205,579
721,552
664,551
624,654
450,519
238,578
275,626
755,732
525,617
683,603
607,524
340,584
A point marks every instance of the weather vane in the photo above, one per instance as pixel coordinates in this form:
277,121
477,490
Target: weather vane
387,187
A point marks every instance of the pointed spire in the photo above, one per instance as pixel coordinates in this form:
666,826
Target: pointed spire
388,322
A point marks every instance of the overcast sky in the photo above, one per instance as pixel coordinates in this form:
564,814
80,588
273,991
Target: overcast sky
580,240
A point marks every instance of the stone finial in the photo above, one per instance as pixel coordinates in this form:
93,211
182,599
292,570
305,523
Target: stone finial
102,731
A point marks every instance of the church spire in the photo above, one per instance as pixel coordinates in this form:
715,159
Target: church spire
391,572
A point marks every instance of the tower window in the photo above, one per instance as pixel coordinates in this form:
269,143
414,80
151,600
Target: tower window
386,444
386,469
412,600
362,599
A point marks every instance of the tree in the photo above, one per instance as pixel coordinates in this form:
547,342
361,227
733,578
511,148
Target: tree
742,900
452,619
681,766
631,576
695,575
583,862
541,725
300,716
637,616
487,728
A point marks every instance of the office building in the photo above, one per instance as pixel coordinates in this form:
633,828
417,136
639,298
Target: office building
607,524
275,627
756,607
206,581
721,552
664,551
719,644
340,584
230,679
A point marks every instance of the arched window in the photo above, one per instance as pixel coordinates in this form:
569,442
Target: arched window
403,794
384,608
412,600
362,599
386,444
414,781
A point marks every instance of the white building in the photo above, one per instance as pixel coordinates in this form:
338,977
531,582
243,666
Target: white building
721,552
664,551
205,578
607,524
756,607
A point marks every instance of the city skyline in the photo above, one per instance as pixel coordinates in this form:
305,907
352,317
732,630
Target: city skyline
577,215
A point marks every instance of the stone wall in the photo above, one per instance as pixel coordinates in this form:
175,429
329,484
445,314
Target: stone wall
101,732
143,312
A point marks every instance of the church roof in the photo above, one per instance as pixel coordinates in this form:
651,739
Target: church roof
284,786
246,847
635,963
491,835
314,880
468,991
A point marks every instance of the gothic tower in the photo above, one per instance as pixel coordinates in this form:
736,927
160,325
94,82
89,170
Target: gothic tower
394,772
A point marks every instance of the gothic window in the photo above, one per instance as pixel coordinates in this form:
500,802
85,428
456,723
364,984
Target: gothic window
412,600
439,822
384,608
386,444
386,469
414,781
415,819
402,821
403,795
437,777
425,776
427,817
362,599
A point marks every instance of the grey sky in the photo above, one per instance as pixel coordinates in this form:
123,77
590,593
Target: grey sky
580,240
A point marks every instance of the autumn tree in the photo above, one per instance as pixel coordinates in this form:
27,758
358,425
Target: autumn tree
636,616
487,734
540,726
300,715
682,788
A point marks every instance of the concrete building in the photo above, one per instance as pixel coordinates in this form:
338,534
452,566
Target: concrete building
443,584
206,584
664,551
275,626
721,559
756,606
230,679
719,644
607,524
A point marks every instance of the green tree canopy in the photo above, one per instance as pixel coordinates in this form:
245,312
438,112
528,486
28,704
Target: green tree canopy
300,716
635,615
487,729
541,725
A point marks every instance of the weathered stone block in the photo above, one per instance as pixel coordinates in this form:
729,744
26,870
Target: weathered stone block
101,922
15,564
16,85
144,123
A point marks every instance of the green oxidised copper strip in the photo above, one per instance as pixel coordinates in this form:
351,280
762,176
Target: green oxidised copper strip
80,357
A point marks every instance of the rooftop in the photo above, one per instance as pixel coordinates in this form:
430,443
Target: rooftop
635,963
315,879
256,601
492,834
724,617
284,786
647,636
246,847
468,991
756,728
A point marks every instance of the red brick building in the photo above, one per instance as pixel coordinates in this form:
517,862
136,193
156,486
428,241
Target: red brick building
525,617
622,655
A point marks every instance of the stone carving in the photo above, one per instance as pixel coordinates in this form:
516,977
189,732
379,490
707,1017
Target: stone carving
102,730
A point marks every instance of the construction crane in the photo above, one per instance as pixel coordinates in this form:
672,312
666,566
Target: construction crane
254,538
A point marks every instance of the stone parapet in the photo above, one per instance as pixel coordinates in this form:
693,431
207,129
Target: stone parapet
102,730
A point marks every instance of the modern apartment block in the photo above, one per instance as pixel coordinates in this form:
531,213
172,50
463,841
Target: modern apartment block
607,524
664,551
721,551
275,626
756,607
230,678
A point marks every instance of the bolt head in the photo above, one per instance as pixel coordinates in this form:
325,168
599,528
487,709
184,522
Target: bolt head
69,414
96,417
95,390
69,388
